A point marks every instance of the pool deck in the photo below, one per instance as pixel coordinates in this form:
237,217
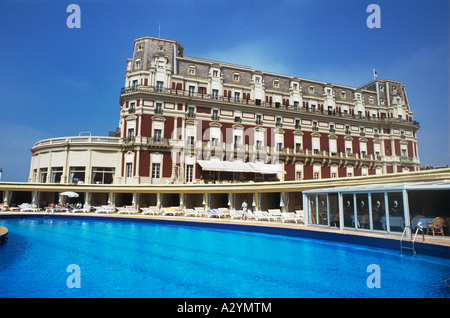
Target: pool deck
435,240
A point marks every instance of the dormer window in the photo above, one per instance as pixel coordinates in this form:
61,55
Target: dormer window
257,79
276,84
215,73
311,89
137,64
191,70
236,77
343,95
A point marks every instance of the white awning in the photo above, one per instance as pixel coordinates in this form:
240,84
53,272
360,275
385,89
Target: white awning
265,168
211,165
236,166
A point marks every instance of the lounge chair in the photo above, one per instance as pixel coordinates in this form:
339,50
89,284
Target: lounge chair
122,210
300,215
275,213
27,207
291,216
436,226
214,212
86,208
236,214
153,210
131,210
75,210
171,211
104,209
200,211
262,215
190,212
224,211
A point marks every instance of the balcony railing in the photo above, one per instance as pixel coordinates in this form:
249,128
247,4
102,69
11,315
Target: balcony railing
222,149
258,102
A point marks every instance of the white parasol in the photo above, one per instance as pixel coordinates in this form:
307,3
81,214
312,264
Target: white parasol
70,194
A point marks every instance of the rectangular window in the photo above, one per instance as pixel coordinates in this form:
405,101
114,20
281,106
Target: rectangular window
278,122
132,108
215,94
159,86
236,77
129,170
156,170
315,127
237,97
191,112
215,114
191,90
332,130
43,175
56,174
103,175
130,134
189,173
157,135
77,174
259,119
237,141
190,140
279,146
158,108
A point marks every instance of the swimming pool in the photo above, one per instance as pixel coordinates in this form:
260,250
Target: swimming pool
144,259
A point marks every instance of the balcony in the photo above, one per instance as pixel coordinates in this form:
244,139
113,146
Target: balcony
257,102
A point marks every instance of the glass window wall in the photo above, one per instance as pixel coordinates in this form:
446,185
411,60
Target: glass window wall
362,211
322,209
349,210
333,209
378,211
312,209
396,212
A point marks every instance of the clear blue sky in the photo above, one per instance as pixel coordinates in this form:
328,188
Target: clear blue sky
57,81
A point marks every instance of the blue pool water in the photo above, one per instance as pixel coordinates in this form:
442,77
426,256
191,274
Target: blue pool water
139,259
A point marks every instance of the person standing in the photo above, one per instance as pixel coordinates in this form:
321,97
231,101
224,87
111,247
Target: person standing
244,210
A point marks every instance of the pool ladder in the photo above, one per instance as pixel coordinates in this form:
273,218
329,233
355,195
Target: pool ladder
413,240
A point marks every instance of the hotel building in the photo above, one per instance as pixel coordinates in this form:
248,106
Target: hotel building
192,120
